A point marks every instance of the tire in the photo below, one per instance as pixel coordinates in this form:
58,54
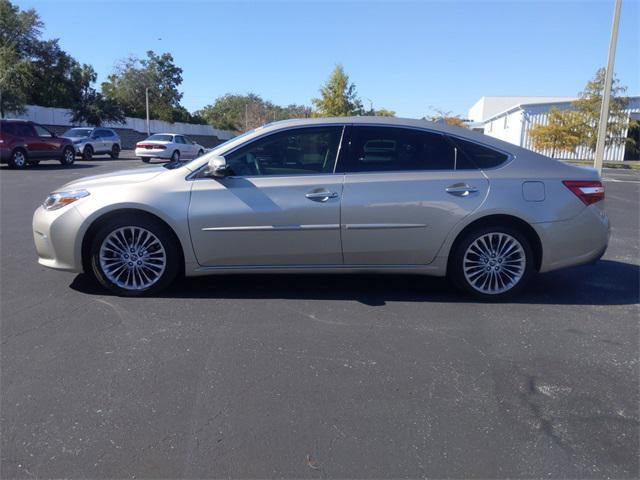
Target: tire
115,151
473,269
68,156
200,153
145,159
134,275
87,153
175,156
19,159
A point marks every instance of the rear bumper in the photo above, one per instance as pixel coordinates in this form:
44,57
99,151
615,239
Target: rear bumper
582,239
5,154
144,153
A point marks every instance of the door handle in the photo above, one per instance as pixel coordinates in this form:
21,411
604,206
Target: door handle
321,196
461,190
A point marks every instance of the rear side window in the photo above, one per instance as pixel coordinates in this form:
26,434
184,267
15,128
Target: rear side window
482,157
7,128
102,133
380,149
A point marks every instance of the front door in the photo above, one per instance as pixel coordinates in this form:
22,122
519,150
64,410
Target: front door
404,191
280,206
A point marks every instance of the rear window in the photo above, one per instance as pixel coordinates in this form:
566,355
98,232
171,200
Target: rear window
482,157
161,138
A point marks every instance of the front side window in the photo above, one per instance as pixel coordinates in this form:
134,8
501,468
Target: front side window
41,131
293,152
384,149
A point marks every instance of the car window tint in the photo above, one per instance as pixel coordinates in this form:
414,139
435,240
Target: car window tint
41,131
481,156
180,139
379,149
296,151
8,128
103,133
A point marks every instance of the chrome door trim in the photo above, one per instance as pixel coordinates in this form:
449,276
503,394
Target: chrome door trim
380,226
271,228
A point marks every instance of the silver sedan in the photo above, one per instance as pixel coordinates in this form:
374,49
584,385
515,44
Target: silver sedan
332,195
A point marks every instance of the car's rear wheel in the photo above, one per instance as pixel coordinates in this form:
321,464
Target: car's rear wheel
145,159
87,153
134,256
115,151
68,157
200,153
175,156
18,159
492,263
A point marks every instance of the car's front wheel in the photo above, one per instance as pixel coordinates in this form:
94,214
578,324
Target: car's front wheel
492,263
134,255
68,157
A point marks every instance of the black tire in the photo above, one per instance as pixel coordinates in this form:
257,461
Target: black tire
175,156
162,233
115,151
68,156
456,272
200,153
19,159
87,153
145,159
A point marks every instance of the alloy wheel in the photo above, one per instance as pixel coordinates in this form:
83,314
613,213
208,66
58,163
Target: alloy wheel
494,263
132,258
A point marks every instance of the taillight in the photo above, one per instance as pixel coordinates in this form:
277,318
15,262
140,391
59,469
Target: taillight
587,191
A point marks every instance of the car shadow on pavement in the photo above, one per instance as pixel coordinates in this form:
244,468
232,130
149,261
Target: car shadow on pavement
605,283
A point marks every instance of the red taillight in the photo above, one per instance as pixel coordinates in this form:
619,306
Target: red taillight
151,146
587,191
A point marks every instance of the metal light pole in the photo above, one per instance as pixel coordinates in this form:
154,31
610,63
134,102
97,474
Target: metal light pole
146,94
608,78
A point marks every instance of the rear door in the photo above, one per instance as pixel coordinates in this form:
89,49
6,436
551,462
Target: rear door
281,206
404,191
44,143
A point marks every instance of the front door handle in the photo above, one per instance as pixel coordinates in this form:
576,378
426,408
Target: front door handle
461,190
321,196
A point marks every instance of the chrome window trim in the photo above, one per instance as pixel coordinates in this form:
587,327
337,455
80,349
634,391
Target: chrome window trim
195,174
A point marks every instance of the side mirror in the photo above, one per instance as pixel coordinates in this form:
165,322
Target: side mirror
217,167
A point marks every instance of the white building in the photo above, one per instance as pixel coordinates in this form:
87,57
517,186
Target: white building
510,118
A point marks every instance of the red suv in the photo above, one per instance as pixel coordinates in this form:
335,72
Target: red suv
23,142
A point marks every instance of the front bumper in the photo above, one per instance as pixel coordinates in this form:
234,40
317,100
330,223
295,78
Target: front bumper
582,239
55,234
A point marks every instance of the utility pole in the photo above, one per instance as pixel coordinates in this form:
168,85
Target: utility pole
146,94
606,95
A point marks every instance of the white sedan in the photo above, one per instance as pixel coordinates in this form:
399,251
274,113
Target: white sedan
168,146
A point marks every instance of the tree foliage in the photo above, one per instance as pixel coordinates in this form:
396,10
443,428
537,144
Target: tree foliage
338,97
91,107
442,116
588,106
245,112
564,131
132,76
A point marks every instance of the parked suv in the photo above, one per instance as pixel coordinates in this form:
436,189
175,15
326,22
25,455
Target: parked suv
23,142
90,141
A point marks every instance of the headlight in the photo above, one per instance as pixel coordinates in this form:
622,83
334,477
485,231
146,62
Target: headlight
58,200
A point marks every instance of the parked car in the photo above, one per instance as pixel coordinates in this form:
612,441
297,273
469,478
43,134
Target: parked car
24,143
168,146
90,141
361,194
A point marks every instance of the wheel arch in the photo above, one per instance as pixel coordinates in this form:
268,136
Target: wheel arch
503,220
96,223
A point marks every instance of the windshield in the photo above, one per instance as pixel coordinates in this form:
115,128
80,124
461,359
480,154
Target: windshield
77,132
161,138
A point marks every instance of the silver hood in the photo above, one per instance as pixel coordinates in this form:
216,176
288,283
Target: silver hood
121,177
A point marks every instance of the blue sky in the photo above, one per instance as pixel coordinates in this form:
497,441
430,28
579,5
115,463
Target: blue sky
404,56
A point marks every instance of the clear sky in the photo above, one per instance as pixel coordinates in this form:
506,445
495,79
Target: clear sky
404,56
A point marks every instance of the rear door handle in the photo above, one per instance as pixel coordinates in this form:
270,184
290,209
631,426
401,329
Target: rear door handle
461,190
322,196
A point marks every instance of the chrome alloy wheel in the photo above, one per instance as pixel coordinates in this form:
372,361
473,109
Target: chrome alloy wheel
132,258
19,159
494,263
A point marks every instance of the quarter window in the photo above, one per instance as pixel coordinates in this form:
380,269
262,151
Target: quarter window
292,152
379,149
480,156
41,131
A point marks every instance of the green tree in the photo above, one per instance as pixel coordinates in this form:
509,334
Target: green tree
564,131
588,107
442,116
338,97
127,85
91,107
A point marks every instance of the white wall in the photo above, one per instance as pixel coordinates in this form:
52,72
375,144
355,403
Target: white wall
62,116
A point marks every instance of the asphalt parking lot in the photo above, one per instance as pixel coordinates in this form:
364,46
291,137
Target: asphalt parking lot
316,376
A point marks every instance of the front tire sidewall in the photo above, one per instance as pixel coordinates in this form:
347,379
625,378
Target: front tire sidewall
159,230
456,270
68,157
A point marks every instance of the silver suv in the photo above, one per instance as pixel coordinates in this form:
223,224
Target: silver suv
89,141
